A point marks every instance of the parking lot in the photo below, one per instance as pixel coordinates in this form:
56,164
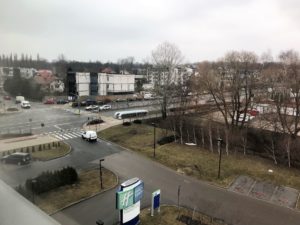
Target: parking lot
264,190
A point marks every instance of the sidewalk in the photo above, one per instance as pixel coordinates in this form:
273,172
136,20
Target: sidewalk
23,142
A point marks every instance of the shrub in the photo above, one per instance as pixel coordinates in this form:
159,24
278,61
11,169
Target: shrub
95,121
126,123
49,180
166,140
137,121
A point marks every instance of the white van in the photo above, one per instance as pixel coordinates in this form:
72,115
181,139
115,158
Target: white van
19,99
25,105
89,135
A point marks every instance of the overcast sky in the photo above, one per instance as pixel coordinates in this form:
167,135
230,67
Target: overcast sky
113,29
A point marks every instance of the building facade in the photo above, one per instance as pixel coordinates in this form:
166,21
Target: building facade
93,84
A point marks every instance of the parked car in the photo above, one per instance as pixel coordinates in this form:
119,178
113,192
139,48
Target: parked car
49,101
121,100
25,105
62,101
105,107
91,107
18,158
89,135
90,102
7,97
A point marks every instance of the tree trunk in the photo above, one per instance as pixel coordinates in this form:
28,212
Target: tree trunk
288,150
202,137
180,130
227,141
210,138
273,151
195,139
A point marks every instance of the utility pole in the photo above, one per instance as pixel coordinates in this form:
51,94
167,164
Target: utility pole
100,170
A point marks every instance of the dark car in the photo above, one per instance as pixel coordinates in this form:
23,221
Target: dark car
62,101
18,158
90,102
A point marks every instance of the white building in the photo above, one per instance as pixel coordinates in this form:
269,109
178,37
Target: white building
27,73
101,84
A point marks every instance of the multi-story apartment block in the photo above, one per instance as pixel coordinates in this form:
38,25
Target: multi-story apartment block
92,84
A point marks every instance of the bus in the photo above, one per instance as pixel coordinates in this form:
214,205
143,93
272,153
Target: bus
131,114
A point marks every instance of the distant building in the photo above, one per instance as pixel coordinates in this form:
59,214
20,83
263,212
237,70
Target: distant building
27,73
92,84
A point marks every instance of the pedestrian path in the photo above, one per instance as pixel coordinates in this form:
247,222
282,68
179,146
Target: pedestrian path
65,134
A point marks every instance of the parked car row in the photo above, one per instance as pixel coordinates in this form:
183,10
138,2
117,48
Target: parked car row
96,108
58,101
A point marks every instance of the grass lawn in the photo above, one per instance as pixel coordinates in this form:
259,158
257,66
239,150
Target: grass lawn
52,153
197,162
89,184
168,215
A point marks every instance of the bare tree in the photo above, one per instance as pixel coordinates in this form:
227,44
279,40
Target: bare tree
287,97
231,82
166,57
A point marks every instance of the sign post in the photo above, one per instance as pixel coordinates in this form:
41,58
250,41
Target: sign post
155,201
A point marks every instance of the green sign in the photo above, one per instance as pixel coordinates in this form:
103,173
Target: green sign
125,199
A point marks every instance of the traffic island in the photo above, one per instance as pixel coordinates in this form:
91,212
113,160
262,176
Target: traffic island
87,187
173,215
51,151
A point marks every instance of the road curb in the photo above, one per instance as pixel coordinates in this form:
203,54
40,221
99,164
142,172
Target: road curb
86,198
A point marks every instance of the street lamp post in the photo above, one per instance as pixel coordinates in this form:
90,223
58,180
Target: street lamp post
154,137
220,155
100,168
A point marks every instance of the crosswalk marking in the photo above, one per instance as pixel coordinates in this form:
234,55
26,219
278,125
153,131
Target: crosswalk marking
65,134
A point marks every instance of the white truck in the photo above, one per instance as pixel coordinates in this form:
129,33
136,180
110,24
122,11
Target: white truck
19,99
89,135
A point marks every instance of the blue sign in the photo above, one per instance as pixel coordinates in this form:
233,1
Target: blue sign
156,201
138,192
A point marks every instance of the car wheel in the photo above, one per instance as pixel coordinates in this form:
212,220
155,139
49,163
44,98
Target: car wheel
82,137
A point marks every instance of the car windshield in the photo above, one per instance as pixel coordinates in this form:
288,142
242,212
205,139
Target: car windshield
178,112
